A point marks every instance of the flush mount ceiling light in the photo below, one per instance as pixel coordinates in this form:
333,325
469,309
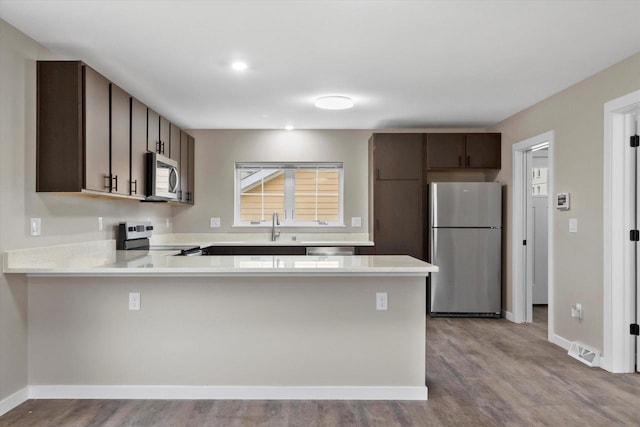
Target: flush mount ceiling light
334,102
239,66
288,127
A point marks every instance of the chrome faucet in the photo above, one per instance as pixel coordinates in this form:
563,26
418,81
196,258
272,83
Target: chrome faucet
275,220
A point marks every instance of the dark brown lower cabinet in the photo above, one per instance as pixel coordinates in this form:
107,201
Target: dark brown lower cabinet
398,217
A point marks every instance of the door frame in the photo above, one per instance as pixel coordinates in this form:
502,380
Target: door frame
518,254
618,304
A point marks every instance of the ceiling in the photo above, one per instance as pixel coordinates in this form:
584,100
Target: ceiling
406,64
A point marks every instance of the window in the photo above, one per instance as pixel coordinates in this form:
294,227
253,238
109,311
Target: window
303,194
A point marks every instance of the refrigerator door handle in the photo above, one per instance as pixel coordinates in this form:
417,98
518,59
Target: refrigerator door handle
434,244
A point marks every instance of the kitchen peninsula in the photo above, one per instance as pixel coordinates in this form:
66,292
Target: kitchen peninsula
222,327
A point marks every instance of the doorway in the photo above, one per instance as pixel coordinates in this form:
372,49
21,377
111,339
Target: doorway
537,237
532,235
621,214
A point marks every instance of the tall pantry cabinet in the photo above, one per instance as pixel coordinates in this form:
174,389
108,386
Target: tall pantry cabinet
397,193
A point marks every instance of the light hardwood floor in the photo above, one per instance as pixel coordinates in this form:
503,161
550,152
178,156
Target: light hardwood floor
480,372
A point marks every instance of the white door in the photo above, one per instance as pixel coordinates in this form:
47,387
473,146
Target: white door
529,233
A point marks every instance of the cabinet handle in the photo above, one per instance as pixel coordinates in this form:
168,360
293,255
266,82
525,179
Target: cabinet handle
378,174
459,160
468,160
179,194
134,190
158,147
108,182
115,178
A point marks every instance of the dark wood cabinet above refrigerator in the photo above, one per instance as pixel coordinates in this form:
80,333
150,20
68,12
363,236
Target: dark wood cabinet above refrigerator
457,151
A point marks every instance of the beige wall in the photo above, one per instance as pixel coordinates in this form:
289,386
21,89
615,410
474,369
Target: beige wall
576,116
64,218
218,150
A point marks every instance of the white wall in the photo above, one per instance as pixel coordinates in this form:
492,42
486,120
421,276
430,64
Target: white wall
576,116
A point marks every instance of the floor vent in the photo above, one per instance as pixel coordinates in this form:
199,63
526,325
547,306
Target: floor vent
586,355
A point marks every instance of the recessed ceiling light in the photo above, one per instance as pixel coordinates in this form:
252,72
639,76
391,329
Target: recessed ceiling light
239,66
288,127
334,102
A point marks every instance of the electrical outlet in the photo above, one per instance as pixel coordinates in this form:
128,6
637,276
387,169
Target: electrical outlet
381,301
36,226
134,300
356,221
214,222
100,224
576,311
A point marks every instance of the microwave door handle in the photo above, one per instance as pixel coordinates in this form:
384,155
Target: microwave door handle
174,172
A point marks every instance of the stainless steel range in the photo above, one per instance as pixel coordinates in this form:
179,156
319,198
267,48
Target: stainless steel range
135,235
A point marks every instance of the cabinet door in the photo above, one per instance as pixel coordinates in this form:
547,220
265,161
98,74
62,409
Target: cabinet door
397,156
184,167
153,131
483,150
174,143
138,148
165,137
191,170
120,140
398,217
96,138
445,151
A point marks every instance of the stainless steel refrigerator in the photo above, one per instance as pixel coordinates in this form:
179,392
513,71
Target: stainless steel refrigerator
465,227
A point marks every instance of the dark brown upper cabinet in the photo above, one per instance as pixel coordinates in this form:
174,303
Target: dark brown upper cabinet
184,167
92,136
96,138
153,132
174,143
483,150
165,137
72,128
450,151
397,155
137,183
120,140
191,169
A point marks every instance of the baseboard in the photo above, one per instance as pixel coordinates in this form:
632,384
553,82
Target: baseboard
16,399
226,392
508,315
559,341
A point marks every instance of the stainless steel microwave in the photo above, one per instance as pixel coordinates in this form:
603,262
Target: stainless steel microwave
162,178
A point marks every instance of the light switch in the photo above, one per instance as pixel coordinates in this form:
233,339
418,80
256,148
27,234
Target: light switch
573,225
214,223
356,221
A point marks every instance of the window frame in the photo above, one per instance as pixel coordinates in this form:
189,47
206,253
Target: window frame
289,193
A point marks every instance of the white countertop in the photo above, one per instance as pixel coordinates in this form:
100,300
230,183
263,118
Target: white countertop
100,259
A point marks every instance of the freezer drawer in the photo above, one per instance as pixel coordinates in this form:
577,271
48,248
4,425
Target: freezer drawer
469,280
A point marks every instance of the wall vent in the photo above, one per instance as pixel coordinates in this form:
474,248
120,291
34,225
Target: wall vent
586,355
